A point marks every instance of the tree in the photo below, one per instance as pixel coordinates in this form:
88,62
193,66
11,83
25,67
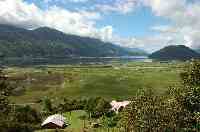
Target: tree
191,76
110,119
97,107
47,106
102,107
5,92
26,114
148,113
190,94
12,117
177,110
67,105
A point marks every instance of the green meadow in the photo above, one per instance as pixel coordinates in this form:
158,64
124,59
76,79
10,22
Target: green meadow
116,81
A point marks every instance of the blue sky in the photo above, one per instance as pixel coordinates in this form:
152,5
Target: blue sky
145,24
133,23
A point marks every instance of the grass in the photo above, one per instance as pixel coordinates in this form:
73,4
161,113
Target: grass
77,125
74,119
117,82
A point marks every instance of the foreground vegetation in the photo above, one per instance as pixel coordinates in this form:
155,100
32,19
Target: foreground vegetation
173,107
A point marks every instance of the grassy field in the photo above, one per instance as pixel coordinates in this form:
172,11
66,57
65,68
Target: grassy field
73,118
117,81
77,125
112,82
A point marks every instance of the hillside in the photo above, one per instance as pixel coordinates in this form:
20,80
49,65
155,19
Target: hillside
175,52
47,42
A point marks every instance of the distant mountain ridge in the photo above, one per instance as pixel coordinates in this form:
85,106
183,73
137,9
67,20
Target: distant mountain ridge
197,50
137,50
47,42
175,52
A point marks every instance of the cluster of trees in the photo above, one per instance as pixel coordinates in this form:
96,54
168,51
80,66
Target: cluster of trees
177,110
66,105
95,107
15,117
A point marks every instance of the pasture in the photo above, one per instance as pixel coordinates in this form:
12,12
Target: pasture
117,81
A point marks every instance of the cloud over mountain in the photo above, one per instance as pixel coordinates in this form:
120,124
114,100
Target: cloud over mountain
183,17
183,14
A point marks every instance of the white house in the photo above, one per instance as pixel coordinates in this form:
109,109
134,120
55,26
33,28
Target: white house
55,121
117,105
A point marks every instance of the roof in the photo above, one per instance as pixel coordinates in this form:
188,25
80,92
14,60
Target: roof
117,105
56,119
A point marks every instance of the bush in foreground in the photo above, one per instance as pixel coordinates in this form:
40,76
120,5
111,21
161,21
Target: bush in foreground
178,110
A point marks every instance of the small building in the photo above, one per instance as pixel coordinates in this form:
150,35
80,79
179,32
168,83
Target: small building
55,121
116,106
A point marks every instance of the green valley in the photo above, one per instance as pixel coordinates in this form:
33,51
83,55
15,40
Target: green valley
113,82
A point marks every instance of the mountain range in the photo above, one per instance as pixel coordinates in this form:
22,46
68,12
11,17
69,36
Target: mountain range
175,52
47,42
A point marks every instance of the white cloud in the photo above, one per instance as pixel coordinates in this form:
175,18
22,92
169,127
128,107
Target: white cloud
184,17
78,0
30,16
106,33
81,23
168,8
149,43
183,29
120,6
19,13
164,29
64,1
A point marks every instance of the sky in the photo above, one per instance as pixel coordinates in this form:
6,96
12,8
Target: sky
144,24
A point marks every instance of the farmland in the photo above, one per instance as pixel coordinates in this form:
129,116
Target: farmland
79,92
115,81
